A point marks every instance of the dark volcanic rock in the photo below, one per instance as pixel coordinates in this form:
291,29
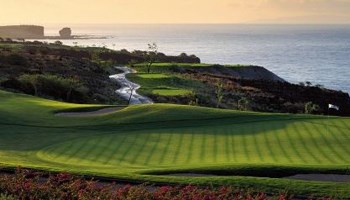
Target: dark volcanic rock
241,72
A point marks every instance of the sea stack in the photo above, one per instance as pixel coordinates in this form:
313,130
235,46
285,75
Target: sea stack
66,33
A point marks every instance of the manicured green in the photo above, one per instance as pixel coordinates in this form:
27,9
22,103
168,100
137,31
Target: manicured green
163,84
164,79
138,142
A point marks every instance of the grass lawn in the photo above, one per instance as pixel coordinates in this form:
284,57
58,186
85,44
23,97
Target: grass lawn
144,142
163,84
164,81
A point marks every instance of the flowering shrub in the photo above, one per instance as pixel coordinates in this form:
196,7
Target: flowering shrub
31,185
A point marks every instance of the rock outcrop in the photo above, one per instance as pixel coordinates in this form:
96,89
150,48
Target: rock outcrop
66,33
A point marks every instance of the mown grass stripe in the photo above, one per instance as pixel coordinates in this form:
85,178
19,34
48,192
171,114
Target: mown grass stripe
267,143
257,146
324,134
155,156
215,145
140,148
167,147
233,144
177,151
292,142
245,147
347,125
134,138
109,158
227,146
296,128
75,149
91,150
282,147
203,147
58,151
105,147
190,149
344,145
316,142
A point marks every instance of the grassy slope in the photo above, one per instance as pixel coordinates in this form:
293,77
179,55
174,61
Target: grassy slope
162,81
161,84
138,140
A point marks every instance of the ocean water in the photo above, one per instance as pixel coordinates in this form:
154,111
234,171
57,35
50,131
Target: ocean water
297,53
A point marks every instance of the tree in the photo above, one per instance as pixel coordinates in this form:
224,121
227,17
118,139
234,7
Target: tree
193,99
219,93
308,83
243,103
71,84
151,55
311,108
131,89
32,80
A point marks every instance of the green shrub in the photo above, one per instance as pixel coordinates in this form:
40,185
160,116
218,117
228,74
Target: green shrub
32,80
6,197
311,108
58,43
15,59
243,103
55,86
219,93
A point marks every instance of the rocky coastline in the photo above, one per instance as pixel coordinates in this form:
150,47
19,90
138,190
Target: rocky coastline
35,32
81,75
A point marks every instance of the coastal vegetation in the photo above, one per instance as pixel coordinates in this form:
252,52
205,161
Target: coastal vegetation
203,135
50,70
234,87
152,55
185,80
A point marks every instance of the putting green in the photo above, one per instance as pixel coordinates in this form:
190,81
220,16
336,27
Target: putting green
160,137
284,142
162,84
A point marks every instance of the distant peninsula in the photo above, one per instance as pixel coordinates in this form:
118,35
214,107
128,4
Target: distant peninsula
37,32
22,31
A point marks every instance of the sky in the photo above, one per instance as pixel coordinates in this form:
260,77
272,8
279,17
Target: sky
173,11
